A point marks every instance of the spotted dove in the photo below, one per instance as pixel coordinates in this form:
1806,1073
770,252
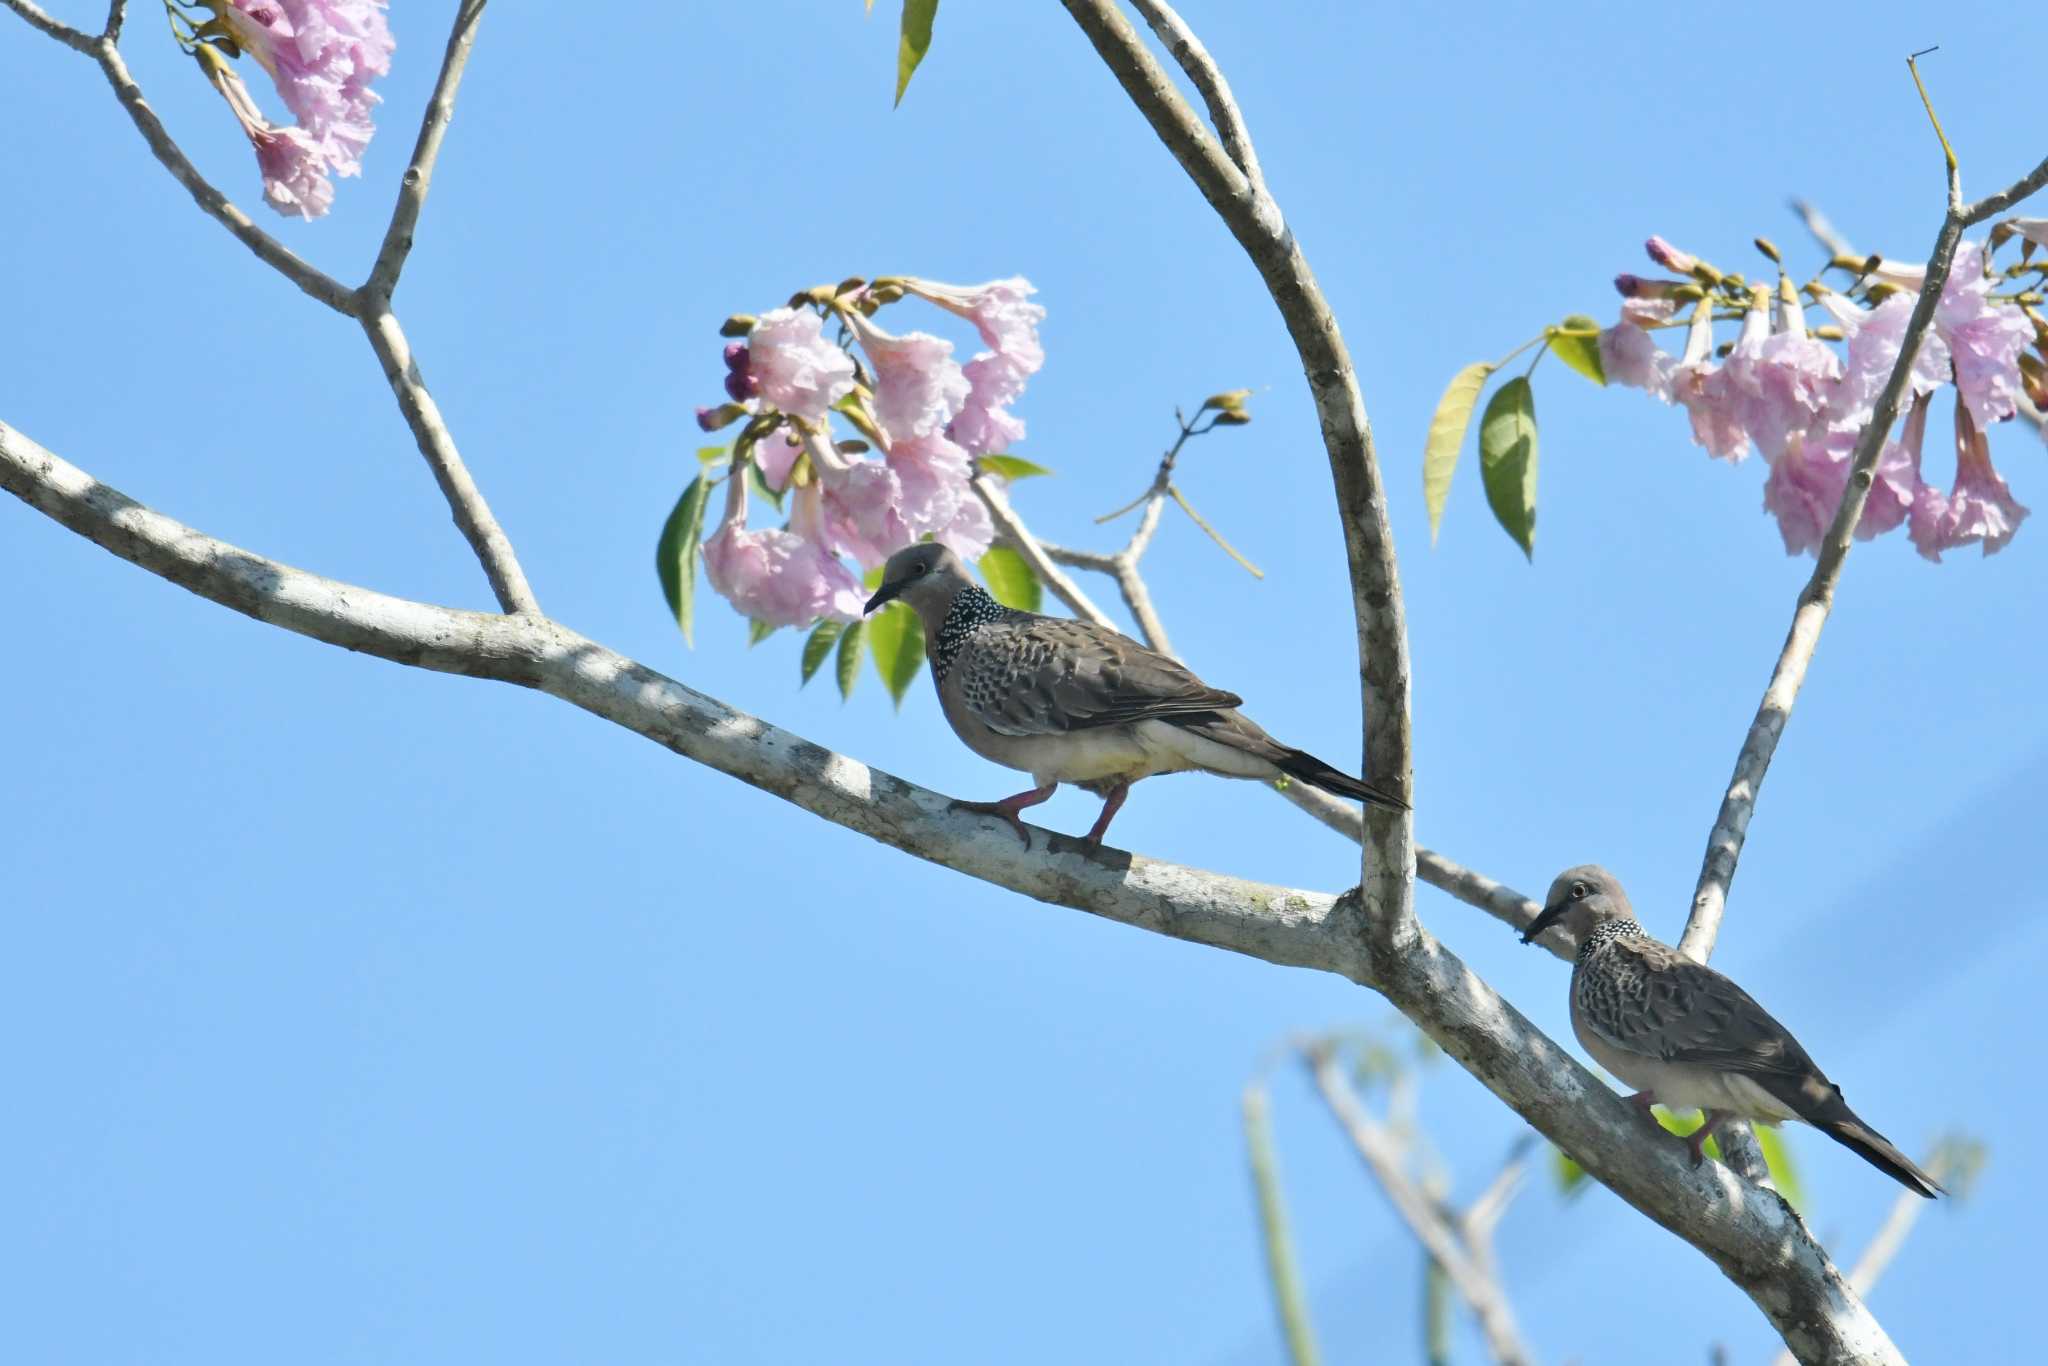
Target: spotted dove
1071,702
1685,1036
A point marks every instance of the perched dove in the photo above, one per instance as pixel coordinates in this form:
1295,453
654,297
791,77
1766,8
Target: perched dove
1685,1036
1071,702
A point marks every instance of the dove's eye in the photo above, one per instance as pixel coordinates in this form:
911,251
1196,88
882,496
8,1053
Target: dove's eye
1578,891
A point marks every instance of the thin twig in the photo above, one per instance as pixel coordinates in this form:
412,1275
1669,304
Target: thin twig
1388,857
472,514
63,33
1731,824
1439,1237
1824,232
1013,531
1290,1302
216,205
117,15
1214,534
413,185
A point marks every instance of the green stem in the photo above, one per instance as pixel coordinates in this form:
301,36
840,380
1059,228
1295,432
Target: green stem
1288,1299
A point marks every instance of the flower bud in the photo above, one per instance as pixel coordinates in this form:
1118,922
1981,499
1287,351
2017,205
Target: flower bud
724,415
1670,257
738,325
736,355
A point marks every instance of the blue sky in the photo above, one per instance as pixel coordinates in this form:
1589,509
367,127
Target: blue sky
359,1014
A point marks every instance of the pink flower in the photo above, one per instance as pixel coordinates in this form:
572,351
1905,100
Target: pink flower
1874,335
1896,485
1630,357
1714,395
985,425
775,454
784,578
1000,310
1804,490
322,54
1984,338
918,384
970,532
1979,508
1807,480
293,164
791,365
860,513
934,474
1787,387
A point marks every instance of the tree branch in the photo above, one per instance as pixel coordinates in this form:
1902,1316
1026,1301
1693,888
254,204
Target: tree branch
63,33
1731,825
1013,531
1388,856
412,187
216,205
1201,68
1750,1233
465,502
117,15
1440,1237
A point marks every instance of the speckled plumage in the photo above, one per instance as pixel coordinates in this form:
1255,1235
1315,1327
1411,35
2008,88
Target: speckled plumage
1070,702
1685,1035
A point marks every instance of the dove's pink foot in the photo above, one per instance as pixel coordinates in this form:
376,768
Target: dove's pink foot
1008,808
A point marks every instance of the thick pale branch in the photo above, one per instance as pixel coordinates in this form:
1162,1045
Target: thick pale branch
465,502
1750,1233
412,187
1277,924
1388,856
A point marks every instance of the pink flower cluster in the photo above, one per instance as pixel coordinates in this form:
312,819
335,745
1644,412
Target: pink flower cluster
925,415
1804,405
322,56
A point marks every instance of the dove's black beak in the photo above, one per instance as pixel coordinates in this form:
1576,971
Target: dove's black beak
1549,916
884,595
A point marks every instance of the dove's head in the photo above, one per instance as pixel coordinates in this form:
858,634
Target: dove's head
1582,899
926,576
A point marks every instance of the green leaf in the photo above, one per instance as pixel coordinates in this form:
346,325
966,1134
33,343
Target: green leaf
915,40
758,631
1011,466
675,555
1010,579
713,455
896,640
1571,1177
851,642
760,486
1507,460
1778,1157
819,645
1576,342
1447,438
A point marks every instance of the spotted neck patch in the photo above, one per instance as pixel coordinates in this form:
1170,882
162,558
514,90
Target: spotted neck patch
972,609
1607,934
